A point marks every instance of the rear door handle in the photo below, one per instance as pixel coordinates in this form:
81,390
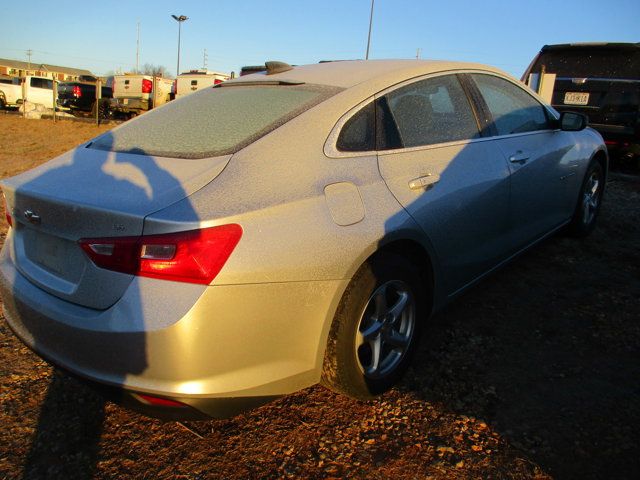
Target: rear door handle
424,181
519,157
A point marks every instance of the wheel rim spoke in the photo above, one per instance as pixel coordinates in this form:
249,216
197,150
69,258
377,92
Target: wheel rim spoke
376,350
370,333
399,306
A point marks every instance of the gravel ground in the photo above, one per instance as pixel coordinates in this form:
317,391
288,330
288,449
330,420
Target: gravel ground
532,374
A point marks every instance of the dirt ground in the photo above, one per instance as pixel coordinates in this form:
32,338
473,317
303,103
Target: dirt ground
532,374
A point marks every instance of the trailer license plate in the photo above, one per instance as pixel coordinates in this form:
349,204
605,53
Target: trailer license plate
576,98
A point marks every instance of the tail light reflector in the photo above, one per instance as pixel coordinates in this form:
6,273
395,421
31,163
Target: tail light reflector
217,81
159,401
194,256
7,215
77,92
147,85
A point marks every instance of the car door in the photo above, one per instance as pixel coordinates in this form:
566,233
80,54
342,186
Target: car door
453,182
541,158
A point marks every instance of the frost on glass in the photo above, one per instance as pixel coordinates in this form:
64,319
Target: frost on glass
432,111
214,121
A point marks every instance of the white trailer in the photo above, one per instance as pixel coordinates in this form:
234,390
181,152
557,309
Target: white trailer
136,93
194,80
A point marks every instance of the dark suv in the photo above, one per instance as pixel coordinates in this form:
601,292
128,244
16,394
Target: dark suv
601,80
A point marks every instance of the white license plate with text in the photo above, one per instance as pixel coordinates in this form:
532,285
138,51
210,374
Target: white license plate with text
576,98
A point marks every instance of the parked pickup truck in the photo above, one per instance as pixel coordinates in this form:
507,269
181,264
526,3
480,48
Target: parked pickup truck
195,80
133,93
81,97
38,90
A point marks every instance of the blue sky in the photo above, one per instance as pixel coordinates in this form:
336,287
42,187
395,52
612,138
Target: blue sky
101,36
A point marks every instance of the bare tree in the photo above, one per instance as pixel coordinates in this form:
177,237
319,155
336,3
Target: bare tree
156,70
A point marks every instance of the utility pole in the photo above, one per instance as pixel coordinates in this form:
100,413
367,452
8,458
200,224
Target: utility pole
369,38
29,53
418,54
205,57
138,50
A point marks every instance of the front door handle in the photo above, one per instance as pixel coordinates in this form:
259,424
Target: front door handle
519,157
424,181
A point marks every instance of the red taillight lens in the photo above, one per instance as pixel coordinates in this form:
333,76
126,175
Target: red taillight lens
159,401
217,81
146,85
77,92
195,256
7,215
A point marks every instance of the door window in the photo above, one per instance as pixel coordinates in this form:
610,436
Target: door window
513,110
41,83
431,111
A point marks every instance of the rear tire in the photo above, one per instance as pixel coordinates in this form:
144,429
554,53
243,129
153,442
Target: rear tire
375,329
589,201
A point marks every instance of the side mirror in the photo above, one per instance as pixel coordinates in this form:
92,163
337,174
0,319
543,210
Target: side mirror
573,122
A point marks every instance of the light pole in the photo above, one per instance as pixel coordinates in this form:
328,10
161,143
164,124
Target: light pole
369,38
179,19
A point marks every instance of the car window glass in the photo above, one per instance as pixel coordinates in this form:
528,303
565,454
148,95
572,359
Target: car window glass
513,110
214,121
435,110
357,135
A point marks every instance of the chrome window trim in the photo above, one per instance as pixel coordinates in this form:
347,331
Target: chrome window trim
330,145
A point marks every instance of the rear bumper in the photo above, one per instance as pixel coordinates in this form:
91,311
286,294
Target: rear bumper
218,349
130,104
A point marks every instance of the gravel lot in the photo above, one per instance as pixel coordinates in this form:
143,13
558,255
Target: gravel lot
532,374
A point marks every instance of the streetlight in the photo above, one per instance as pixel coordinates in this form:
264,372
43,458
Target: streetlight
179,19
369,37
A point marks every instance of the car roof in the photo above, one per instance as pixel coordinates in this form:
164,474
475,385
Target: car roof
348,73
588,45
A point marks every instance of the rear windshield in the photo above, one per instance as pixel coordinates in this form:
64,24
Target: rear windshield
213,121
591,63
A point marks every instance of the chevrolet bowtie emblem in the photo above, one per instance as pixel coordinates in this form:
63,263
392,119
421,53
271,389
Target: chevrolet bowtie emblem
32,217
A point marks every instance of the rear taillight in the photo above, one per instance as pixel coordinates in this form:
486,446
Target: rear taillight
217,81
77,92
175,86
147,85
195,256
7,215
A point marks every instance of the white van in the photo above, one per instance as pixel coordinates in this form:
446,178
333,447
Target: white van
36,90
195,80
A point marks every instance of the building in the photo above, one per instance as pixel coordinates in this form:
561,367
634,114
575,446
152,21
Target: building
16,68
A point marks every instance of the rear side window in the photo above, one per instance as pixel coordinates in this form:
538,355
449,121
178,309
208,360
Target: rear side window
358,134
431,111
41,83
513,110
213,121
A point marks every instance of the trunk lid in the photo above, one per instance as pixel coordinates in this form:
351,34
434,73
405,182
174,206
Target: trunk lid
89,193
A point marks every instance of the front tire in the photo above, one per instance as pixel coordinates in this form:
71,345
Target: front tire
375,329
589,201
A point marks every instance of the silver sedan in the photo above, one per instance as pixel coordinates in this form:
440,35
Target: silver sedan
286,228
